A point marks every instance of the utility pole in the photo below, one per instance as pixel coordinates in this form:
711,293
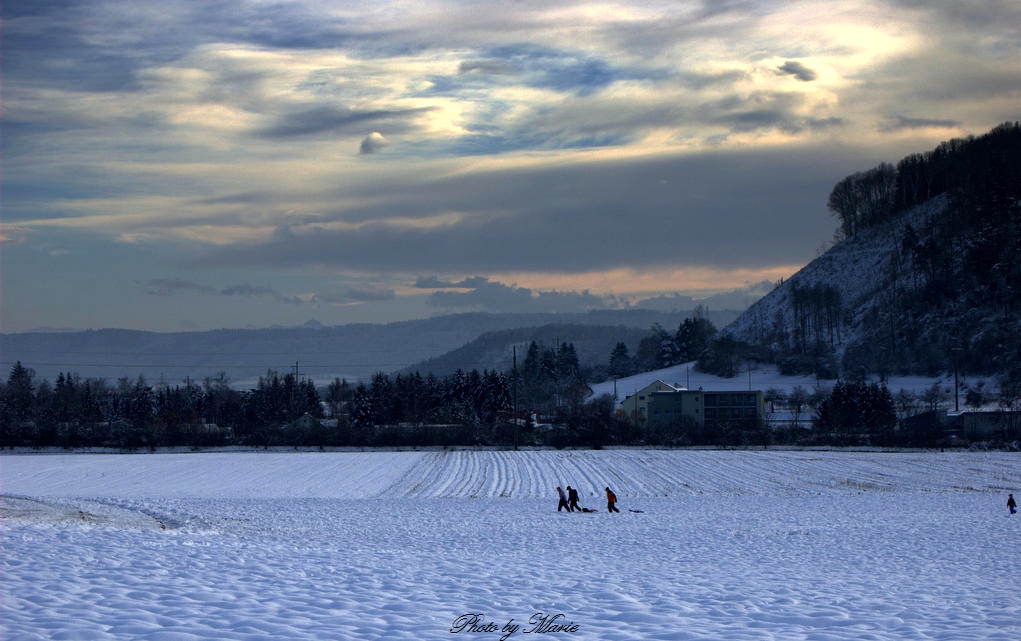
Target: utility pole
514,391
957,407
291,410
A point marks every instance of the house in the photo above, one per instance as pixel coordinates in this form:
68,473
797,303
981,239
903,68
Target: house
635,408
979,425
662,404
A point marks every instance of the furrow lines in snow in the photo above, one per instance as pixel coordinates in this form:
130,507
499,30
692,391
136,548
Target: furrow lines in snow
513,474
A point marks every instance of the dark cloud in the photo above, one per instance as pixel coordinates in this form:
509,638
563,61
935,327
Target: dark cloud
669,302
432,282
764,111
358,294
720,20
798,70
724,209
738,299
487,67
905,122
819,124
331,119
995,16
945,76
237,198
372,143
558,69
175,286
700,81
250,291
172,286
497,297
101,45
246,290
435,282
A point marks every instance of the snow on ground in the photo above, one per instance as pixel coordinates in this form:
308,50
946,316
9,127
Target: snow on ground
764,377
398,545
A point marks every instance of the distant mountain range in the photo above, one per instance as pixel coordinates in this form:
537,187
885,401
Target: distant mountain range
353,352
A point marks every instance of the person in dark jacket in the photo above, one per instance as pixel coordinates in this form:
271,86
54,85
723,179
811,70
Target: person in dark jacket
563,500
611,501
572,498
1011,504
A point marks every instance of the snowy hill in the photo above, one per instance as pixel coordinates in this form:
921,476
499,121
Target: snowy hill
860,269
928,279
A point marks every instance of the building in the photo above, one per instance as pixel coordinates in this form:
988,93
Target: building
983,425
635,408
661,404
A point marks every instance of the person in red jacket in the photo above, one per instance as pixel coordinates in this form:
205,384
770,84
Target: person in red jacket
611,501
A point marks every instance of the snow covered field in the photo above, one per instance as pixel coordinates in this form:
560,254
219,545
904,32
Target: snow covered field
400,545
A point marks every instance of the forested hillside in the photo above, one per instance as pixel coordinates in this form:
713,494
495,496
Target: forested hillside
925,278
595,345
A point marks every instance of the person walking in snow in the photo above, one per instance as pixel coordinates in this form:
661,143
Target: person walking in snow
563,500
1011,504
572,499
611,501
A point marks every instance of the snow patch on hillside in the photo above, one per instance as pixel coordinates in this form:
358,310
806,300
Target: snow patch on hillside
756,376
860,268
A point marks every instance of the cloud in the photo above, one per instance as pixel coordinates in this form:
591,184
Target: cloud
487,67
572,217
356,294
906,122
177,286
372,143
435,282
12,234
250,291
497,297
432,282
540,141
174,286
331,119
798,70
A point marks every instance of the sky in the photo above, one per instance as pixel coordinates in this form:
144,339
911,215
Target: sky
198,164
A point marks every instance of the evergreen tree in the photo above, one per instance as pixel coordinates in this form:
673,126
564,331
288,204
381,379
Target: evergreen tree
620,362
363,413
18,398
693,338
856,408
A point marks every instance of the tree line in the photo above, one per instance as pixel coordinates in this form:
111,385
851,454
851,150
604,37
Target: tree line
544,400
986,165
663,348
465,408
959,298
